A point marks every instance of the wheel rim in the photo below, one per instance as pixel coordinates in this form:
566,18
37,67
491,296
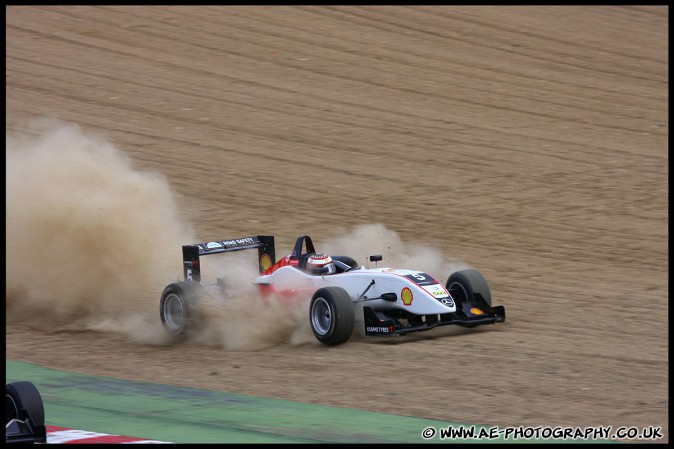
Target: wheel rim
321,316
456,286
174,312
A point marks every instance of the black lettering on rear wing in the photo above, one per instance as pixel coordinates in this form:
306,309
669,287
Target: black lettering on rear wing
191,253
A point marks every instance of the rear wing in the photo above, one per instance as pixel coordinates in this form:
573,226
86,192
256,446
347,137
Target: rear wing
191,253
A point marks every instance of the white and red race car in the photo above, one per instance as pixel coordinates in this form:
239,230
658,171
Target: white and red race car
394,301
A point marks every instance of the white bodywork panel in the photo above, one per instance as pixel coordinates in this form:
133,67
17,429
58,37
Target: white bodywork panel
417,292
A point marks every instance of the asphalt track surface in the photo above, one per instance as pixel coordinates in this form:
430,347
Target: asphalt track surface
170,414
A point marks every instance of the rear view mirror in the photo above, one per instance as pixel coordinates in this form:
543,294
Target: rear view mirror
392,297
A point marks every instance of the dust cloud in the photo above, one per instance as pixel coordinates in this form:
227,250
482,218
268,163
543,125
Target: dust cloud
370,239
92,242
89,237
238,318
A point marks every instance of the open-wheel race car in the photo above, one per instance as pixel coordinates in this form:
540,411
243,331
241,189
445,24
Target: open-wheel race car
24,415
394,301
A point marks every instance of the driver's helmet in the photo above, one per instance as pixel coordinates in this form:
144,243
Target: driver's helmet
316,262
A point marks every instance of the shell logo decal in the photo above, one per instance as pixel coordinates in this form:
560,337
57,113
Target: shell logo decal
406,296
265,262
476,311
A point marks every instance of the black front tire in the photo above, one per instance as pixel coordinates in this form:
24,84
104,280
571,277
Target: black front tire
178,307
331,315
464,284
23,395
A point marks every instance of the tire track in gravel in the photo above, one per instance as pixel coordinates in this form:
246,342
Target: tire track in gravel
466,128
517,110
347,172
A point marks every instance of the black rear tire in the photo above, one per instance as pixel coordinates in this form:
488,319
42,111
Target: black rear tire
331,315
178,307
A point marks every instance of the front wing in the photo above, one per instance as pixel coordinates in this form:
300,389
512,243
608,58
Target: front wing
395,322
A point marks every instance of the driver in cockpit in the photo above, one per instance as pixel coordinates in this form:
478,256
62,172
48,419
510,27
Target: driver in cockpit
320,264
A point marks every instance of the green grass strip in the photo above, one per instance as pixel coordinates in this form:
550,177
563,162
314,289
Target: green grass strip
192,415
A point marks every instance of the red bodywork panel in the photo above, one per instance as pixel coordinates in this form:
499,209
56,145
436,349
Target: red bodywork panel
267,289
288,260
